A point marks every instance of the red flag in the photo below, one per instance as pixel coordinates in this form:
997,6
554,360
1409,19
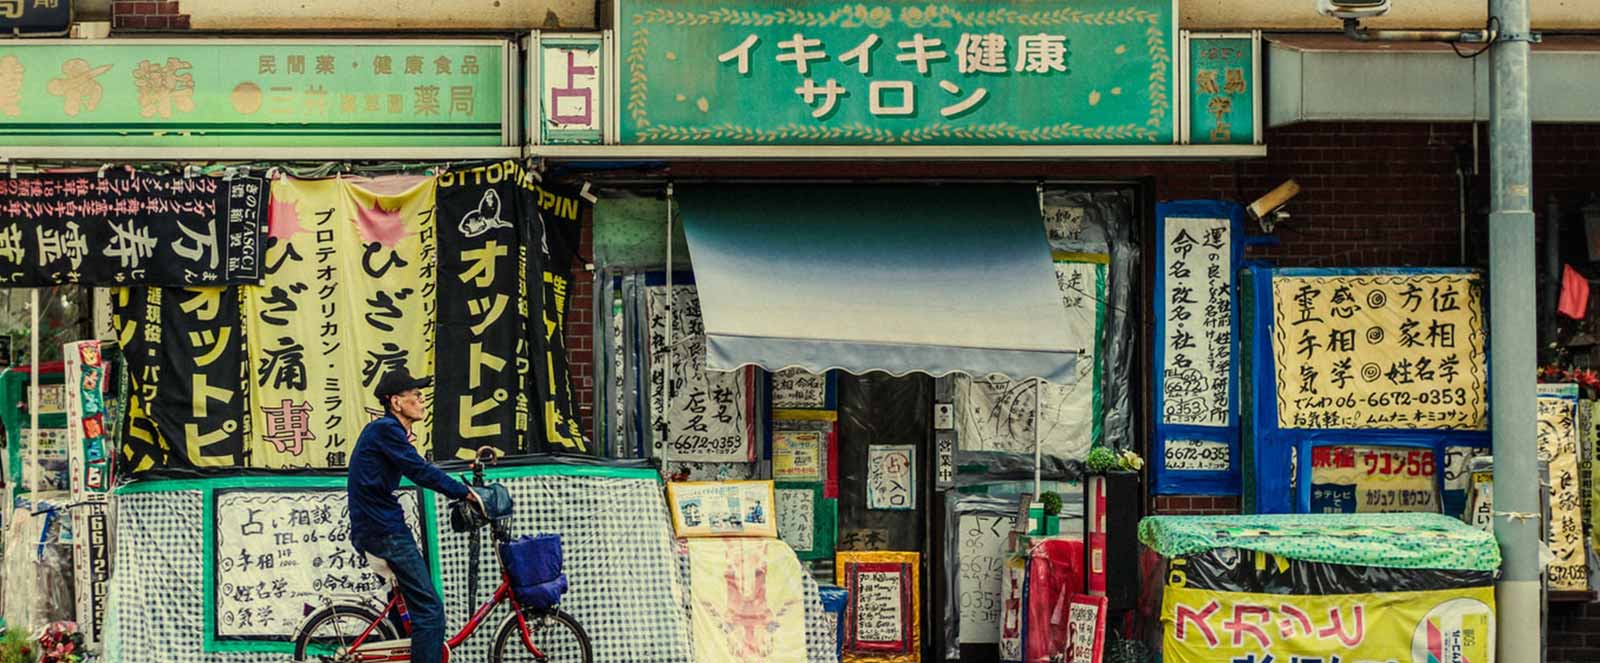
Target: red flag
1574,294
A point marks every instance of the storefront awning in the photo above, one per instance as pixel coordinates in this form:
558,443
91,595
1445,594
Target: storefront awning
902,278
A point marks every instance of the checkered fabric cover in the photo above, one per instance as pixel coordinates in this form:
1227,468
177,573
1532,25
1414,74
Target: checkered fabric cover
615,532
617,543
821,634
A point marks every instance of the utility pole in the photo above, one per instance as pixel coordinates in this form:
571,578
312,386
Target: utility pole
1513,344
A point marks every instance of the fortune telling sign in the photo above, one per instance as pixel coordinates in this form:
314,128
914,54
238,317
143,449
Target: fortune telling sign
131,229
1385,351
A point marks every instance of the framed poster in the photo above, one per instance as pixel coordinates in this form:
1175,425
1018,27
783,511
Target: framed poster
797,455
1086,628
892,477
882,620
807,521
722,508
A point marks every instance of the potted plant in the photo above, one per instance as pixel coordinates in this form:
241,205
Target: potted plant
1049,524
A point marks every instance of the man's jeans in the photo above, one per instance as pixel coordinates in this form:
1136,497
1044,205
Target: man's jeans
427,611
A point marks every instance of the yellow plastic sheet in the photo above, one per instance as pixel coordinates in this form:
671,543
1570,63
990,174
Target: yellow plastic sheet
749,601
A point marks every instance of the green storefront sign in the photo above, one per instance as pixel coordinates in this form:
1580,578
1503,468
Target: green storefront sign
897,72
1222,89
222,93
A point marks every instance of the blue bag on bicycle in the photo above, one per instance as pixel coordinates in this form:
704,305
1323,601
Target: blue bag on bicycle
533,563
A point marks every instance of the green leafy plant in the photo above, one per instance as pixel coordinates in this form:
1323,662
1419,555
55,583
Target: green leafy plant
1101,460
15,647
1052,504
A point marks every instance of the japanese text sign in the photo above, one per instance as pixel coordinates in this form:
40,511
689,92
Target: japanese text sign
1379,351
253,93
1221,89
1558,445
571,90
1198,309
131,229
1440,625
1373,479
900,72
35,16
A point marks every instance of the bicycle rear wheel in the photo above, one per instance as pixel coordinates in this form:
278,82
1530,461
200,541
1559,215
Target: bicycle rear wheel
334,629
555,634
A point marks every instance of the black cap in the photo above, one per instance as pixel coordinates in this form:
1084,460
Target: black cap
398,380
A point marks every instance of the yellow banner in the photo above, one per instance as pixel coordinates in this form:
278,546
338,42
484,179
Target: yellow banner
1443,626
348,296
1379,351
1558,443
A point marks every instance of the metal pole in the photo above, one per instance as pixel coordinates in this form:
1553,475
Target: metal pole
1038,455
666,371
33,398
1512,339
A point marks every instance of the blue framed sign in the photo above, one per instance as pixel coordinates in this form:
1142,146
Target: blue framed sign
1353,370
1196,443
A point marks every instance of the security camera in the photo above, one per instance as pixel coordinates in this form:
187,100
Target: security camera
1268,209
1349,9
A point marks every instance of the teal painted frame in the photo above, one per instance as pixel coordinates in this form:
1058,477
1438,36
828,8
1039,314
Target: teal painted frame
1196,120
430,525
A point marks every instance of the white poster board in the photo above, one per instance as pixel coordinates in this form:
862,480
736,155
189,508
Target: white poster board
891,477
709,417
278,550
998,414
878,608
982,560
1197,306
797,518
797,388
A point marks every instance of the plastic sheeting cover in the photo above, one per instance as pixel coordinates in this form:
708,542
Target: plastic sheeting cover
1398,540
748,601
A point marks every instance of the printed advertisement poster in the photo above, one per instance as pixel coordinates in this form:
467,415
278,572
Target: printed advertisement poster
797,455
1203,626
1363,479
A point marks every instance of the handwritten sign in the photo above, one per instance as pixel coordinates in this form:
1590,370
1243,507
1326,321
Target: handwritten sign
797,388
1372,479
982,555
797,518
1070,225
722,508
1201,455
891,477
878,612
277,550
1198,308
1558,444
1379,351
709,417
1086,628
997,413
797,455
570,89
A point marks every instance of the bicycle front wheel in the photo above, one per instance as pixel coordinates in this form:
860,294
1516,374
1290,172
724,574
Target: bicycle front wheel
555,636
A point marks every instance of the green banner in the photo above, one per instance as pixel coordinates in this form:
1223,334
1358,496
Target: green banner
252,93
1222,90
897,72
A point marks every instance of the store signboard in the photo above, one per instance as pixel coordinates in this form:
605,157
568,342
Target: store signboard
572,72
898,72
257,93
35,16
1221,88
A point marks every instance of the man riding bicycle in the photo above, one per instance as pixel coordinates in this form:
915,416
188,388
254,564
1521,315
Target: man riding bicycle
377,523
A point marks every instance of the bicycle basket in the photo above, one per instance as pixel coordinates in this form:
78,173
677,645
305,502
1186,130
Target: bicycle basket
533,564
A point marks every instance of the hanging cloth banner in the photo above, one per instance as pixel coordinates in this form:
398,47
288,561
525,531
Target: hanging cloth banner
185,356
506,246
347,296
130,229
557,223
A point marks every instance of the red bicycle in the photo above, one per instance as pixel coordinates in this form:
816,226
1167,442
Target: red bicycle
365,630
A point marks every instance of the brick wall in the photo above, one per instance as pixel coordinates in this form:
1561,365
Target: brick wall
128,16
1196,505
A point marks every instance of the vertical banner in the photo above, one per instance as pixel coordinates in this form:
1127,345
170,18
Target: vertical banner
346,299
555,218
1558,444
84,377
136,316
710,417
481,315
1196,430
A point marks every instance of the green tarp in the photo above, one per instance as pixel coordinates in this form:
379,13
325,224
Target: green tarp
1399,540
